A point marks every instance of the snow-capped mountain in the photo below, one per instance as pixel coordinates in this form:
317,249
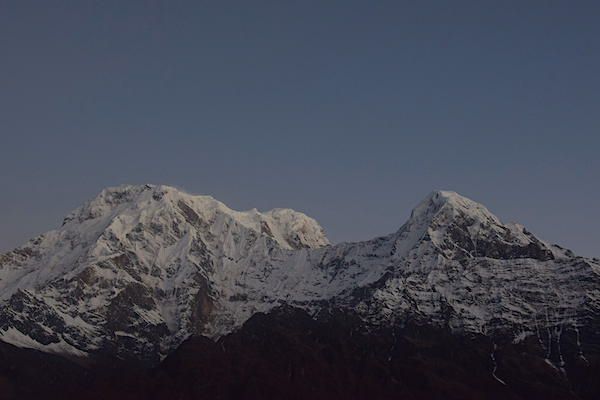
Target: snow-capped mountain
139,269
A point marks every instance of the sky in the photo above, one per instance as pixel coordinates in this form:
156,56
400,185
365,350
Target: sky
349,111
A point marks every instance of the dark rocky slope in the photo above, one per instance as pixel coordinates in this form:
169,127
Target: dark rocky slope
288,354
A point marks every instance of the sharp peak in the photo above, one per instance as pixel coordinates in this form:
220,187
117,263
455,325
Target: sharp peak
437,200
442,197
447,196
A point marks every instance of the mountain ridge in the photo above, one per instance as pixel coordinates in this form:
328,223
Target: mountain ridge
138,269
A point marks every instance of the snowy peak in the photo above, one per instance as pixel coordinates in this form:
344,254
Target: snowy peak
442,200
460,228
289,228
140,268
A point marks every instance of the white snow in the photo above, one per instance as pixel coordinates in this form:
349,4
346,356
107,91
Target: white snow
19,339
169,242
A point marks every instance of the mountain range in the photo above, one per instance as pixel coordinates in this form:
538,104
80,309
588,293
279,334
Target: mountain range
153,279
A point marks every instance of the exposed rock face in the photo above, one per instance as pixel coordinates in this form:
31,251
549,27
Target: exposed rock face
288,354
139,269
331,357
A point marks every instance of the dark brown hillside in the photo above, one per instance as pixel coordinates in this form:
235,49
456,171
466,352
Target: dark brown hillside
287,354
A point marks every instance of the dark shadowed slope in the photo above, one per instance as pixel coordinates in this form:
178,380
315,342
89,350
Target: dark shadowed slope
288,354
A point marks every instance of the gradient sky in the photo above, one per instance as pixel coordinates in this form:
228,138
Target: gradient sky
348,111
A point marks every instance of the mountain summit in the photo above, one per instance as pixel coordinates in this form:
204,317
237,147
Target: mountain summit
462,229
137,270
131,269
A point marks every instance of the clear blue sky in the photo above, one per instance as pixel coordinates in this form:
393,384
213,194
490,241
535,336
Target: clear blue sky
348,111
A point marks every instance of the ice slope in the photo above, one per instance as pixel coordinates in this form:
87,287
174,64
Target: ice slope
140,268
